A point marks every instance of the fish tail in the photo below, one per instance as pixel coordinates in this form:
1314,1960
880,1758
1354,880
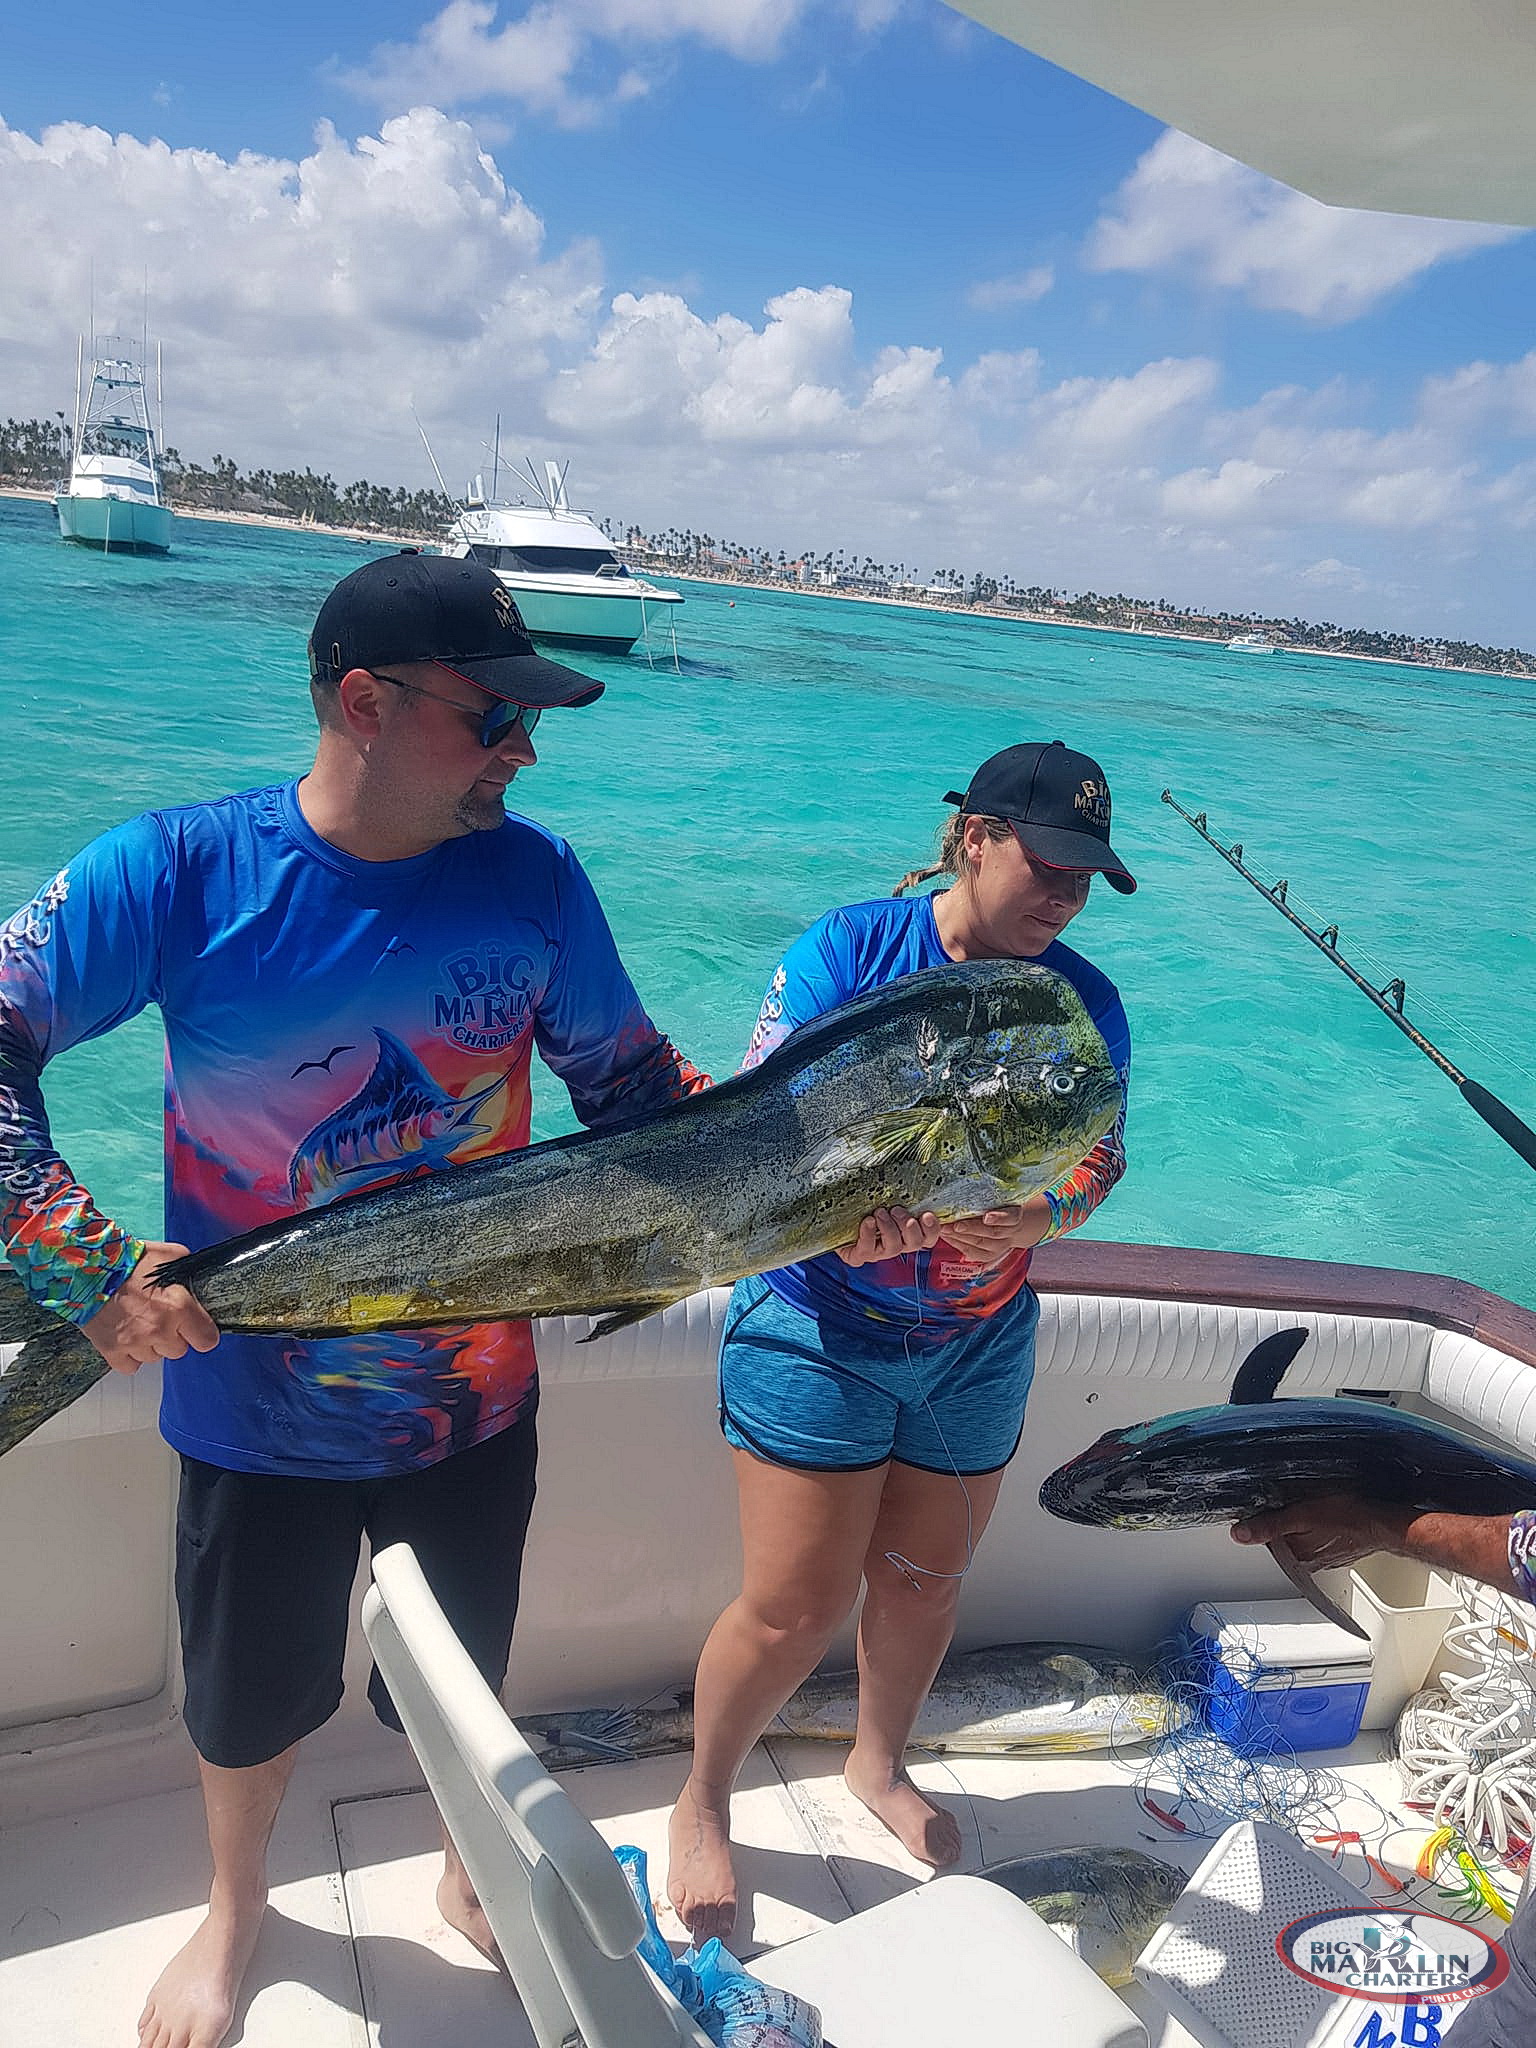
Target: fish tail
51,1369
20,1316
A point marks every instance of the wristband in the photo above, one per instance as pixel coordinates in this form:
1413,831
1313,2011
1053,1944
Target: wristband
1522,1552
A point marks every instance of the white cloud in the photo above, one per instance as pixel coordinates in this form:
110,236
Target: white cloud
1483,395
1113,415
557,57
1188,210
1002,382
400,266
305,304
1235,490
1023,288
1406,498
1332,574
460,56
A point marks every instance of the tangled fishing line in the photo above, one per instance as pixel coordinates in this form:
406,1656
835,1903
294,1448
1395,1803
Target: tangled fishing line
1196,1782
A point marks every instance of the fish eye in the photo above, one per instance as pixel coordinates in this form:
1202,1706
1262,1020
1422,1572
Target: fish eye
1061,1083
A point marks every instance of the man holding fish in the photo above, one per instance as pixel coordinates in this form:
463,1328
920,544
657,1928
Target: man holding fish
353,970
375,1375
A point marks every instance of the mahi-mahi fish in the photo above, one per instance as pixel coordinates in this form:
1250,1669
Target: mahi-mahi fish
1018,1699
1256,1454
1107,1903
955,1090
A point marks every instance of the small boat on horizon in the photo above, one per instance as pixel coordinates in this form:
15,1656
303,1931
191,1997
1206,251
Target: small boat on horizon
115,496
1253,643
563,571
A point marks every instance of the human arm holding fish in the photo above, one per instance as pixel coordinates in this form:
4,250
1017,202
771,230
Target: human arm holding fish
74,963
1337,1530
846,953
590,1026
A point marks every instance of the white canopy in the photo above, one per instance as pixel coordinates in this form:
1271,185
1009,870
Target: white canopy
1405,106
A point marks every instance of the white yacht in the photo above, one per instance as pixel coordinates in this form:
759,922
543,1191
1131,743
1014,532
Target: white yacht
115,498
1253,643
562,569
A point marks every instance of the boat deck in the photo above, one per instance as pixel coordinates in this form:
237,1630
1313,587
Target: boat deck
354,1954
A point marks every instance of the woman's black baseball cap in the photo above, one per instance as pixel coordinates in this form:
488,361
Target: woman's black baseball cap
1057,803
444,608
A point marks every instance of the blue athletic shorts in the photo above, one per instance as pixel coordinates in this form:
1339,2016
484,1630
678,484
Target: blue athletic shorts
799,1393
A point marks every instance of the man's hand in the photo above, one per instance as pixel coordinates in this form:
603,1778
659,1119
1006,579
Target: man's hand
1333,1530
141,1322
889,1233
988,1238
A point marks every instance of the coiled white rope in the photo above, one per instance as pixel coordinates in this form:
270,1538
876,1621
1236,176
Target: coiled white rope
1466,1748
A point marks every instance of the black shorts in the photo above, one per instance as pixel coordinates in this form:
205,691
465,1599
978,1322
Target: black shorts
264,1574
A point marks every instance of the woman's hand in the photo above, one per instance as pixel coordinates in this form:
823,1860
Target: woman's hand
889,1233
141,1323
987,1238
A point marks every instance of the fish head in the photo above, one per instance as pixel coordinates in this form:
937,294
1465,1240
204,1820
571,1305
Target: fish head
1142,1477
1020,1072
1218,1464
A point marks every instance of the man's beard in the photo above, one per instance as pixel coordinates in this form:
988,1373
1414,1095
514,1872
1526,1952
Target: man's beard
476,812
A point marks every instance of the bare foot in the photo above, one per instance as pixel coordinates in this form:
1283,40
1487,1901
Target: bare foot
459,1906
701,1882
925,1830
193,2002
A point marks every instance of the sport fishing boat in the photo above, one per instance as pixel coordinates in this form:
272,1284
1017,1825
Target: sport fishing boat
104,1869
115,498
569,582
1252,643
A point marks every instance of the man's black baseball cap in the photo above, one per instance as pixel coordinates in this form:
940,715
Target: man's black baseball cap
443,608
1057,803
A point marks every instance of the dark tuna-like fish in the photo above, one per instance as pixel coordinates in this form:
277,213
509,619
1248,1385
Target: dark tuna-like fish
1256,1454
954,1090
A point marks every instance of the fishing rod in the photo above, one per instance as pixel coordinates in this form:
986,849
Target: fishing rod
1389,1000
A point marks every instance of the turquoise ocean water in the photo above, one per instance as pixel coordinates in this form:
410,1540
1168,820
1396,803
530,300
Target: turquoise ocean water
800,760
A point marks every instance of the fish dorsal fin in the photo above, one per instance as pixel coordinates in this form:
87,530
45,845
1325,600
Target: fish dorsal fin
1265,1367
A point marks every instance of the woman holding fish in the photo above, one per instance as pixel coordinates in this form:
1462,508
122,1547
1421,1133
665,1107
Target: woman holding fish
873,1397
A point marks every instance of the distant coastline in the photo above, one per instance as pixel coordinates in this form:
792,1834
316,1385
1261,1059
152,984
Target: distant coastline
722,577
1013,615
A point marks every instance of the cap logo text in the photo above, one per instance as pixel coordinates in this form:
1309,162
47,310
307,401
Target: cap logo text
504,608
1092,799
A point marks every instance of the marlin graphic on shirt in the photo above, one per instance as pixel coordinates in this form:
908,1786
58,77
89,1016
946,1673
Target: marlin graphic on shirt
400,1120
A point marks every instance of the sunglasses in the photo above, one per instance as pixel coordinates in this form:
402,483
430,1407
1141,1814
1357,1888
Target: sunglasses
496,723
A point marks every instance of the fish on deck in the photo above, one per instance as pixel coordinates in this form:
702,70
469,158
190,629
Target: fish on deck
1107,1903
1017,1699
957,1089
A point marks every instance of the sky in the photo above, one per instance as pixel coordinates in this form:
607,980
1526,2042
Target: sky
800,273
